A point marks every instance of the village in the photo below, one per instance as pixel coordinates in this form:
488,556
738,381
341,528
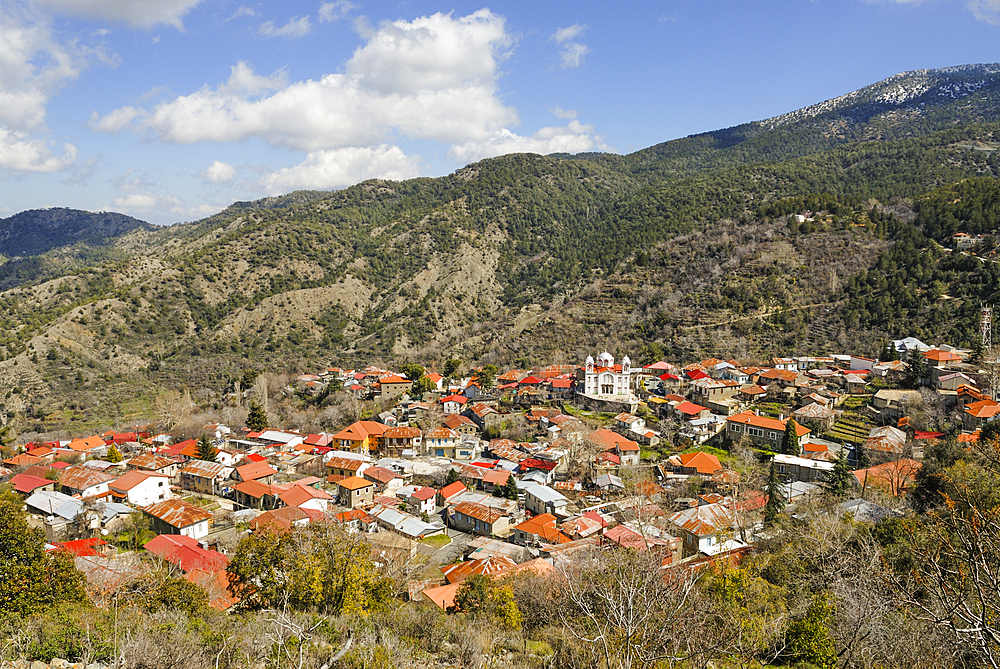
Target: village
502,471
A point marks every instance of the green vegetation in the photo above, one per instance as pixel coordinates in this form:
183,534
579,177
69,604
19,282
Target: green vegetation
34,580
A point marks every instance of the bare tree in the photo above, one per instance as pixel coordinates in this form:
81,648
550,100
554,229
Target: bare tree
633,611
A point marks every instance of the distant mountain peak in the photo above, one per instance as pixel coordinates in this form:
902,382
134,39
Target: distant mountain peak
906,89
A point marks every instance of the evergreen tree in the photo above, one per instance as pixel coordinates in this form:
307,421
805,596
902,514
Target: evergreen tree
917,368
256,418
452,477
790,445
450,367
412,371
840,478
206,449
775,499
487,376
509,489
113,455
421,386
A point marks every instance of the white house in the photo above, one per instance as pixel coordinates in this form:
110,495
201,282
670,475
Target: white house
142,488
453,404
84,481
423,500
604,378
540,499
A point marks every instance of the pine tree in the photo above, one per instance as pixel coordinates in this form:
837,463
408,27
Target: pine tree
206,449
790,446
256,418
509,489
452,477
840,478
775,498
113,455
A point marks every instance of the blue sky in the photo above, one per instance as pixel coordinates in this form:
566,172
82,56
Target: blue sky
170,110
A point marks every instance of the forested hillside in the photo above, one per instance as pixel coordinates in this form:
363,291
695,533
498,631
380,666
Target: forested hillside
691,245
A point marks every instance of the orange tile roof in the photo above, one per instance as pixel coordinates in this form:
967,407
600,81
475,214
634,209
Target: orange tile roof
355,483
254,489
87,444
298,495
610,440
750,418
544,527
451,490
255,470
941,356
456,573
703,463
983,409
133,478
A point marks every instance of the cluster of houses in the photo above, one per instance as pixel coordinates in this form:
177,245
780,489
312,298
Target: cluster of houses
526,502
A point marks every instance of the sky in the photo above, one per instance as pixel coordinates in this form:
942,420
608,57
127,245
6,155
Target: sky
171,110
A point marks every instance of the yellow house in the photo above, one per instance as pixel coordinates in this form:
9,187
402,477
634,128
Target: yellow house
364,436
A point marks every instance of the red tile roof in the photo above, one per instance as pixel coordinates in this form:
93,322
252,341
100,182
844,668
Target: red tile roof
185,552
424,494
25,483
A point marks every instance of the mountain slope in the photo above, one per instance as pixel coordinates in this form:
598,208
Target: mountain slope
39,230
686,245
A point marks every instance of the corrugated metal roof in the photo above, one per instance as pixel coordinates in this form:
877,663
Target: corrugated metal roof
81,478
177,513
207,470
704,520
479,512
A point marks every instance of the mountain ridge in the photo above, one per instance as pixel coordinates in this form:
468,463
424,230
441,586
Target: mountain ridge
687,245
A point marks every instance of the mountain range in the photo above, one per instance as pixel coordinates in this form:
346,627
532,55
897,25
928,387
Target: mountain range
767,238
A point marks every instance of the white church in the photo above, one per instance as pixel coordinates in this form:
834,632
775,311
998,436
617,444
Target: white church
607,381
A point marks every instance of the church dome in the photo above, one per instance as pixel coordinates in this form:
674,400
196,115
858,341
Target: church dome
605,360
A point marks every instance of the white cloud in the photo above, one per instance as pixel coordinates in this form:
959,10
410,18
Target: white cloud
23,153
137,13
242,11
342,167
137,201
568,33
218,173
574,137
432,78
296,27
335,11
33,65
570,53
986,10
115,121
559,112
